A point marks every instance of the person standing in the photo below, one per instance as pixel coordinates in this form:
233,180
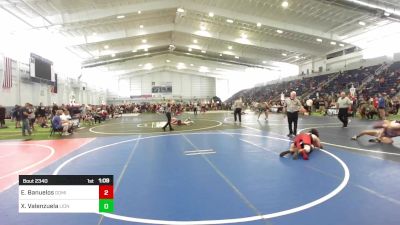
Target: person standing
381,107
168,110
2,117
343,103
25,111
238,105
195,108
292,106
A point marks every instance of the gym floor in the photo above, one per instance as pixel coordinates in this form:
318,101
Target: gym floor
215,171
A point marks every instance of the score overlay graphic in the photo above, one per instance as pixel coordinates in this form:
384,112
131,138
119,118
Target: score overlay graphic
66,193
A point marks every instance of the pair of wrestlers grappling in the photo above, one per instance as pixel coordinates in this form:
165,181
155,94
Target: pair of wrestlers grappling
303,144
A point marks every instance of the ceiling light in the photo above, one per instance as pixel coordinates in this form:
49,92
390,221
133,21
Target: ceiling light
341,45
181,66
189,49
203,69
120,17
264,62
146,49
211,14
244,36
140,65
203,27
195,41
236,57
106,46
139,12
297,57
134,50
167,60
144,41
148,66
94,33
180,10
230,47
220,54
285,4
113,55
229,21
202,51
279,31
141,26
362,23
258,24
284,54
386,14
319,39
333,43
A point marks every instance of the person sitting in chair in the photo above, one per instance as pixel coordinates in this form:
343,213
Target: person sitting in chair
58,125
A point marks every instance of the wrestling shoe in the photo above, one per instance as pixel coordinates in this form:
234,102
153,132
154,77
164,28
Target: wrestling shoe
295,155
284,153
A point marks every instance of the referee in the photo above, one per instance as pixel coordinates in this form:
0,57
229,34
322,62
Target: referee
343,103
238,105
168,114
292,107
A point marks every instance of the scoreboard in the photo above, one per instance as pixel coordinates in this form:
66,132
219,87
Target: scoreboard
66,194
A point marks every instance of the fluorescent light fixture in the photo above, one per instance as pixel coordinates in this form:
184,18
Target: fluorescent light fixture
191,64
236,57
167,60
230,47
279,31
134,50
229,21
113,55
94,33
120,17
341,45
195,41
148,66
258,24
362,23
264,62
139,12
181,66
333,43
284,54
203,69
211,14
202,51
144,41
319,39
244,36
141,26
140,65
297,57
106,47
220,54
146,49
285,4
386,14
180,10
189,49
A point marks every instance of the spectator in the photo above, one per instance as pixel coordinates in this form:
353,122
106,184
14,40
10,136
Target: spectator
24,111
2,117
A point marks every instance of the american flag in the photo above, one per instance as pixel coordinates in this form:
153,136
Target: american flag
7,80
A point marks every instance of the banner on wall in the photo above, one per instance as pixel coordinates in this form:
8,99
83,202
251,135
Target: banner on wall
162,87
